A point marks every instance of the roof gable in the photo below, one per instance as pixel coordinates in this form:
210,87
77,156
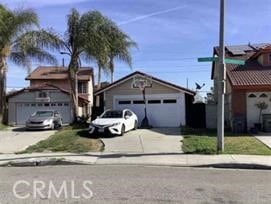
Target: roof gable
44,86
159,81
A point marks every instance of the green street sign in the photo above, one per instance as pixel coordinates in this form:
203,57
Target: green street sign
208,59
234,61
227,60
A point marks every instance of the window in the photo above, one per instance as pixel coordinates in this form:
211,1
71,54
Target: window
46,104
39,104
269,58
82,87
26,105
252,96
124,102
66,104
138,102
42,94
33,104
170,101
154,101
53,104
59,104
112,114
263,95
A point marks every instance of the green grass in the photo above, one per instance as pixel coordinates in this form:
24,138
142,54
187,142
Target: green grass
204,142
69,139
2,126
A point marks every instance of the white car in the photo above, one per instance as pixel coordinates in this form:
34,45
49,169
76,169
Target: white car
115,122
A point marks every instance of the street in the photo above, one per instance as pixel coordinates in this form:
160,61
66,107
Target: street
133,184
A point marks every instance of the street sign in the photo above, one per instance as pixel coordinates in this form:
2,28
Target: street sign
234,61
227,60
208,59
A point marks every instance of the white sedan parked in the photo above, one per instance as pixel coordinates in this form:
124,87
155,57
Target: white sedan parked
115,122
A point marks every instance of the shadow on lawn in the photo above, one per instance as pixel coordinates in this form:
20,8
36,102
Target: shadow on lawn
84,133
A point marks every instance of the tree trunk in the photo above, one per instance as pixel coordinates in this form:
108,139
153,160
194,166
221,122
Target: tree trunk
3,102
111,67
74,88
97,102
99,75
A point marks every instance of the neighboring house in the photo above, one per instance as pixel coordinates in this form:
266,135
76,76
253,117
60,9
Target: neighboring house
50,89
167,103
246,86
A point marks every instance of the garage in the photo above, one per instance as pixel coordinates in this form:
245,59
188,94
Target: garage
165,102
162,110
24,110
23,103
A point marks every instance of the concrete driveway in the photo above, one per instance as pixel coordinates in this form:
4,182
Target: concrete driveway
264,138
156,140
17,139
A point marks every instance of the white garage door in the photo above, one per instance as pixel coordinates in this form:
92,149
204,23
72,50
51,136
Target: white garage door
24,110
166,111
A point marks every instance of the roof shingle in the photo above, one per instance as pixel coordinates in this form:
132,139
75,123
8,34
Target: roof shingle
250,74
51,72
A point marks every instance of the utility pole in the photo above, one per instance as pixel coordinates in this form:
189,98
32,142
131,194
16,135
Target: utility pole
221,81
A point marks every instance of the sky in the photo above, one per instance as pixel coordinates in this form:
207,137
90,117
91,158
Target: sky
170,34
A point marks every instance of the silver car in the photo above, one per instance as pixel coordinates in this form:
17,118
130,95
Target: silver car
44,119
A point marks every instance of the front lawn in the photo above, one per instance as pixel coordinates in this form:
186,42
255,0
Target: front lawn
204,142
69,139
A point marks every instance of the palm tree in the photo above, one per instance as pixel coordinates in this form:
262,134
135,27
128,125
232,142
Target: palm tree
120,45
20,42
83,40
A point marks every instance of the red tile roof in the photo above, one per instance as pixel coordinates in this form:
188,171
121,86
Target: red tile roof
252,74
51,72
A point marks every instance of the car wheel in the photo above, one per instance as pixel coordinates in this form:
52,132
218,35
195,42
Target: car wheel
135,126
122,130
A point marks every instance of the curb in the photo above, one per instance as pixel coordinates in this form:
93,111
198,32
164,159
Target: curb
39,162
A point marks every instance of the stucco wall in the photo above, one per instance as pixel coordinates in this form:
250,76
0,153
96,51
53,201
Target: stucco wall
126,89
253,111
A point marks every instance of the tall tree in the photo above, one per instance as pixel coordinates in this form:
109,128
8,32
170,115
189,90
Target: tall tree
83,40
21,41
120,45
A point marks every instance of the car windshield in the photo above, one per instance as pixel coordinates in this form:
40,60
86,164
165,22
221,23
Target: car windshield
43,113
112,114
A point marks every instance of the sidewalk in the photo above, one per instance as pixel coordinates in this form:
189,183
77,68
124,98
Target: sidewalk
167,159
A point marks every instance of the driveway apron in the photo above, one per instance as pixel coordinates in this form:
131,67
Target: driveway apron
155,140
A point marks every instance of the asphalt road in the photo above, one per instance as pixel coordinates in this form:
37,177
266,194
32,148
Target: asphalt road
133,184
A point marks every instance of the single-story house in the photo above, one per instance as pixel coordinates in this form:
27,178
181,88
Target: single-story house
246,86
167,104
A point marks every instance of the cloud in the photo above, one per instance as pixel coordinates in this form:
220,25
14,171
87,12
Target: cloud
139,18
39,3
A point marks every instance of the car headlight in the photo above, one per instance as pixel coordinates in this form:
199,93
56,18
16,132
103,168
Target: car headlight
48,121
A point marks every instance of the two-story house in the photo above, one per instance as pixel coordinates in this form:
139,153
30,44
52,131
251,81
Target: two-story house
247,86
50,89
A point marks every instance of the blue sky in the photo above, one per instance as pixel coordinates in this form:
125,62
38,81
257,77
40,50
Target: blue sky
170,34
